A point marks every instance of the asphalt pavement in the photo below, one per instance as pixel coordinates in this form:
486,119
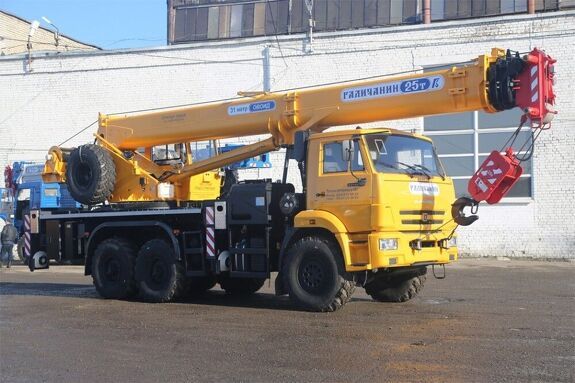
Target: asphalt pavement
488,321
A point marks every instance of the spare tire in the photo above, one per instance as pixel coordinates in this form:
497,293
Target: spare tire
90,174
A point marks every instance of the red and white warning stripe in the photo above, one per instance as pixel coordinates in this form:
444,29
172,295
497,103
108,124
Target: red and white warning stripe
210,242
210,215
27,235
534,82
210,232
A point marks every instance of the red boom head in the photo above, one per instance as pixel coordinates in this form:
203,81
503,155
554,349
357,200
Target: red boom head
535,88
526,83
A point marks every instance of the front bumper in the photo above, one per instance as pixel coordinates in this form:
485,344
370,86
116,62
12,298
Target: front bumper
430,251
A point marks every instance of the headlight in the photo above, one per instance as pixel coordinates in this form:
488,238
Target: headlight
388,244
448,243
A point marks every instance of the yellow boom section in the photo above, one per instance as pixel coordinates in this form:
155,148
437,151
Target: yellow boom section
458,89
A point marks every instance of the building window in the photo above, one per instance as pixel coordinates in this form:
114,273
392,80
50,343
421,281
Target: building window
213,19
464,140
460,9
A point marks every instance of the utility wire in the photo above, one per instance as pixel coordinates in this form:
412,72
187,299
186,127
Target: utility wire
76,134
276,33
241,61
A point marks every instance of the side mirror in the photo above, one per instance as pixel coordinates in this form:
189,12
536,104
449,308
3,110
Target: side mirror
347,150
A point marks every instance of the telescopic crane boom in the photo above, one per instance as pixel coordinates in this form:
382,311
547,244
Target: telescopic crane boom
492,83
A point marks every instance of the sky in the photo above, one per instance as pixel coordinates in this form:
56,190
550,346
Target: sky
108,24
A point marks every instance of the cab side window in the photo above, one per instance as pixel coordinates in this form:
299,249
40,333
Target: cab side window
333,161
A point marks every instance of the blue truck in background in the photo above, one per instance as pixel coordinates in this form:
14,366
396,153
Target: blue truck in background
25,191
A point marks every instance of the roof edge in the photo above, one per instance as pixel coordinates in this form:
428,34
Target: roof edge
48,30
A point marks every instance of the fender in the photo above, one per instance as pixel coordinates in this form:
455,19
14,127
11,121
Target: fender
160,225
320,219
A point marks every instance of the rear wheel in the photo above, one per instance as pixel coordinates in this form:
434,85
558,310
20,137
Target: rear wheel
113,268
397,288
241,286
160,276
90,174
314,275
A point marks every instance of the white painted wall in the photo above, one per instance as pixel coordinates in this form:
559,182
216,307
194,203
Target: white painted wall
64,93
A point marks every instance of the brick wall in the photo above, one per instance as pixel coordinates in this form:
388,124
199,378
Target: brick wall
64,93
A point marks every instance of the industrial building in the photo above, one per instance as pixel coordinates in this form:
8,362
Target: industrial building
217,48
19,36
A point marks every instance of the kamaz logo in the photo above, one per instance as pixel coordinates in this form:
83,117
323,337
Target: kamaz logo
254,107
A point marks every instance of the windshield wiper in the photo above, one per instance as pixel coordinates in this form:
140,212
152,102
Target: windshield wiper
425,169
417,169
393,166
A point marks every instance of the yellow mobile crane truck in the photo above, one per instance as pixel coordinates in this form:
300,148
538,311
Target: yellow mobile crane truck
375,209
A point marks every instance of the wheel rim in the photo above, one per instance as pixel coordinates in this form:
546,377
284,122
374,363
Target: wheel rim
313,276
112,270
159,274
83,175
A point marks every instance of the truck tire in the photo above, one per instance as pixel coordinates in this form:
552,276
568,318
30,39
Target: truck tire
399,289
241,286
90,174
113,268
160,276
314,275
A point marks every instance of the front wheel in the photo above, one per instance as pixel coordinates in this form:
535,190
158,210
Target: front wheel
314,275
397,288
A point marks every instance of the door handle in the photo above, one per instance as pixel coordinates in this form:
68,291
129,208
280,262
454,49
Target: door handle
322,194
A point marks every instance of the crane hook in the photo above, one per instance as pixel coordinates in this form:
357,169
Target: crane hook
459,215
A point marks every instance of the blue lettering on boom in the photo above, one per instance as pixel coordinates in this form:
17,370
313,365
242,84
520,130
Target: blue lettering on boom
254,107
418,85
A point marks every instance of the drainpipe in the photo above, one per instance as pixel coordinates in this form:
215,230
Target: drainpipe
426,11
171,22
267,70
531,7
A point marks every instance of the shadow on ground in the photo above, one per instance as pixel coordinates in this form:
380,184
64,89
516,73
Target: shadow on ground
260,300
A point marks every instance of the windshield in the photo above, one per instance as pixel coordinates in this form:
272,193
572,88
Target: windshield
403,154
